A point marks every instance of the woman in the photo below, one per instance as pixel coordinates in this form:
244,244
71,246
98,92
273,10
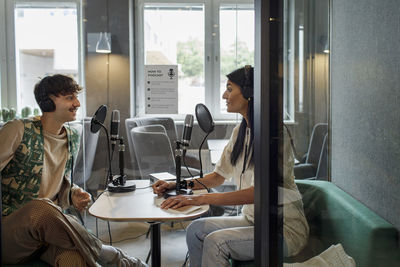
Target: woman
212,241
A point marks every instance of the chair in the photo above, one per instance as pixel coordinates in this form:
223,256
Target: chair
309,168
169,125
322,170
153,151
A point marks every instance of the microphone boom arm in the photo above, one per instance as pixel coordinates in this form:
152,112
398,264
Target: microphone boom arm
109,173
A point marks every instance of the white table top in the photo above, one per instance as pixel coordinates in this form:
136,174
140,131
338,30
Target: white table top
138,205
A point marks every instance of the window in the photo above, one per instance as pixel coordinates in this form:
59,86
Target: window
43,38
169,41
236,41
194,36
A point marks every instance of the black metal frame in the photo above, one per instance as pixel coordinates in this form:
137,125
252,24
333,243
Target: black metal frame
268,125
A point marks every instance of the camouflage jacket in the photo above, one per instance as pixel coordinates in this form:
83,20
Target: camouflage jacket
22,176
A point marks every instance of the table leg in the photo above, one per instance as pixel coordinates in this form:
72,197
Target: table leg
155,244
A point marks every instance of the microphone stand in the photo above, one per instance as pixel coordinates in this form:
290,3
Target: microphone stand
118,183
121,178
201,145
181,186
109,175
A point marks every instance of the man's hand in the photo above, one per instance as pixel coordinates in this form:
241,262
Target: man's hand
183,200
80,198
161,186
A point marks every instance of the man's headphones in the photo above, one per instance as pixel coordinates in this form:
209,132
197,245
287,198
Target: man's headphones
247,87
46,104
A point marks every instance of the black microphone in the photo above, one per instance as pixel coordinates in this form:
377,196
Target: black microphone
98,119
114,127
206,123
187,131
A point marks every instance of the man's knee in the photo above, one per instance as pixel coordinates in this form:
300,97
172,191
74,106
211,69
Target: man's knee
41,212
69,258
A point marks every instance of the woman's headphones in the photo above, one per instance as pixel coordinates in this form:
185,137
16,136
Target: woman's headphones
247,87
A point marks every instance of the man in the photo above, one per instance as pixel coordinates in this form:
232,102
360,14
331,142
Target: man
36,156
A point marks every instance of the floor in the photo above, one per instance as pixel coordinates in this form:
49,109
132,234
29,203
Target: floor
131,237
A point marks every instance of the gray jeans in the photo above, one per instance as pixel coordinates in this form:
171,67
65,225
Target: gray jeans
212,241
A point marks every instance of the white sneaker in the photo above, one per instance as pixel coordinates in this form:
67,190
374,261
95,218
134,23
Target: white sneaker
124,260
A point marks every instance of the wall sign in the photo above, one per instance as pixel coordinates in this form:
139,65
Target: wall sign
161,87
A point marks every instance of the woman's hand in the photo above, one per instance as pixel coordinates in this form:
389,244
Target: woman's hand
80,198
161,186
182,200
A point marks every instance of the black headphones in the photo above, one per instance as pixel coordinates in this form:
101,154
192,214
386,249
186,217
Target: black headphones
46,104
247,87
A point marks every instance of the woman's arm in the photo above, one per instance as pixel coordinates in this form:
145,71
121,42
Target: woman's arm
210,180
244,196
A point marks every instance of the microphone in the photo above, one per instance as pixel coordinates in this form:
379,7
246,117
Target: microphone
181,150
98,119
187,131
114,127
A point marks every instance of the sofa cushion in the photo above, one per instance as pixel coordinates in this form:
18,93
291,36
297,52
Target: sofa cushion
336,217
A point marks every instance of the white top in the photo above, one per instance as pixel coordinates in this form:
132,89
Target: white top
54,160
295,226
228,171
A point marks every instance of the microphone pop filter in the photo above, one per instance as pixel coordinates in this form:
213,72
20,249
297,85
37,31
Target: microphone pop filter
98,119
204,118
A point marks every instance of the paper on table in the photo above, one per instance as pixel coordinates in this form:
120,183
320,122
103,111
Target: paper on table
181,210
165,176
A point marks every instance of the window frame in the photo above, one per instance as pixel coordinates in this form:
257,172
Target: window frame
211,57
8,54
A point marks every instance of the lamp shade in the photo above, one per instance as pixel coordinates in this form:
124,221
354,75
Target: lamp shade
103,45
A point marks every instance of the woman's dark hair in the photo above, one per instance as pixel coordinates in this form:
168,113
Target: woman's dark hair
244,77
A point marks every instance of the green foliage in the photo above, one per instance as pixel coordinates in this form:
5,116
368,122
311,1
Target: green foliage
13,114
191,57
26,112
36,112
8,114
4,114
236,57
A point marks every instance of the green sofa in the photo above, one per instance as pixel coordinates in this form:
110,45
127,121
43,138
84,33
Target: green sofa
336,217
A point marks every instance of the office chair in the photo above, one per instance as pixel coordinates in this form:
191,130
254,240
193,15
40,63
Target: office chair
170,128
309,168
153,151
322,170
